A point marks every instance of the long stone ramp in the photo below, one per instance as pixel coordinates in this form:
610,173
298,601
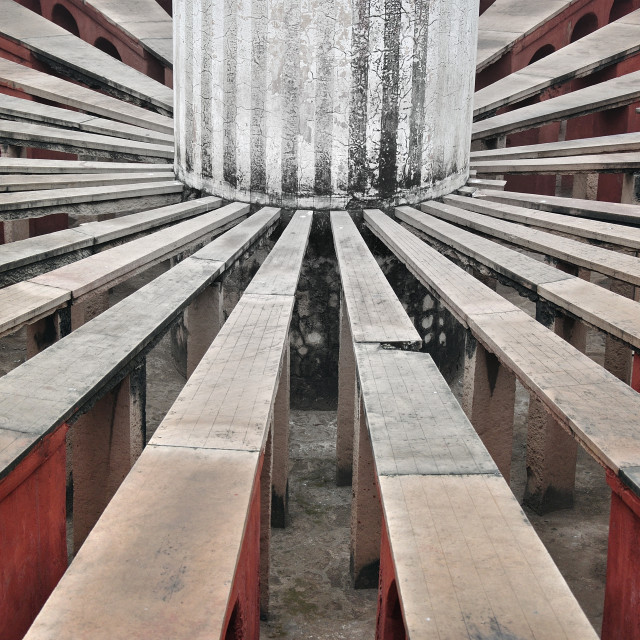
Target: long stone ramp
606,211
611,94
582,401
68,291
610,263
23,110
63,92
369,312
24,259
209,468
93,145
104,367
420,474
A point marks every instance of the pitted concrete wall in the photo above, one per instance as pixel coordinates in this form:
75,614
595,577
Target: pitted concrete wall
324,103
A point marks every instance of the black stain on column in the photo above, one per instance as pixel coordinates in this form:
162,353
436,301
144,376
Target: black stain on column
291,97
324,98
188,87
419,81
206,88
359,91
390,82
258,92
229,165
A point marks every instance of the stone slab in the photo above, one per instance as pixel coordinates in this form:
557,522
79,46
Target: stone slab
416,425
609,94
507,21
29,166
80,142
64,92
142,20
461,292
168,542
602,163
228,399
32,400
596,305
516,266
106,268
610,263
606,211
375,313
619,143
470,565
592,230
280,270
11,183
27,301
14,205
14,108
592,403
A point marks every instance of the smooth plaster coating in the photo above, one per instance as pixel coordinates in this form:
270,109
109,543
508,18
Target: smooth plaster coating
324,103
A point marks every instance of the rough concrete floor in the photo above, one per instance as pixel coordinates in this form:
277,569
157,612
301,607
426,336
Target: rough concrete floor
311,593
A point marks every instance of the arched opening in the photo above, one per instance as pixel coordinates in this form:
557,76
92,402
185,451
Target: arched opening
393,624
542,52
63,18
620,8
104,45
234,628
586,25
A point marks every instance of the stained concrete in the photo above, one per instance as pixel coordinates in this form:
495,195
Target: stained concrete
325,103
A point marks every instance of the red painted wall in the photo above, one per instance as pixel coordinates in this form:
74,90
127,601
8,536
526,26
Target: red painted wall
33,544
622,595
243,614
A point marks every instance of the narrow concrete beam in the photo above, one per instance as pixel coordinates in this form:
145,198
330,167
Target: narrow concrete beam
265,524
366,512
106,441
347,400
551,452
489,401
280,474
203,319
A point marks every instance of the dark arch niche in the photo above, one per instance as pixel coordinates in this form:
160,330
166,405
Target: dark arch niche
620,8
108,47
63,18
542,52
586,25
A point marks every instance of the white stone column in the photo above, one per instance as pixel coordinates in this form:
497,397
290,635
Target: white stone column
324,103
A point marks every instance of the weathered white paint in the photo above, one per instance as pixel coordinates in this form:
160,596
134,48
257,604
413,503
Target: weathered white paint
324,103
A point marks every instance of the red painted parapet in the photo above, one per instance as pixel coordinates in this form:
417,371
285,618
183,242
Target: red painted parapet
33,541
621,620
389,623
242,620
635,372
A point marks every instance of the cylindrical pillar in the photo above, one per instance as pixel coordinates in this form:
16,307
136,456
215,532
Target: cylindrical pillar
324,103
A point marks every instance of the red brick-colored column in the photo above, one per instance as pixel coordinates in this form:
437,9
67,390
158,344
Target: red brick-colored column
33,536
621,620
243,612
635,374
389,623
